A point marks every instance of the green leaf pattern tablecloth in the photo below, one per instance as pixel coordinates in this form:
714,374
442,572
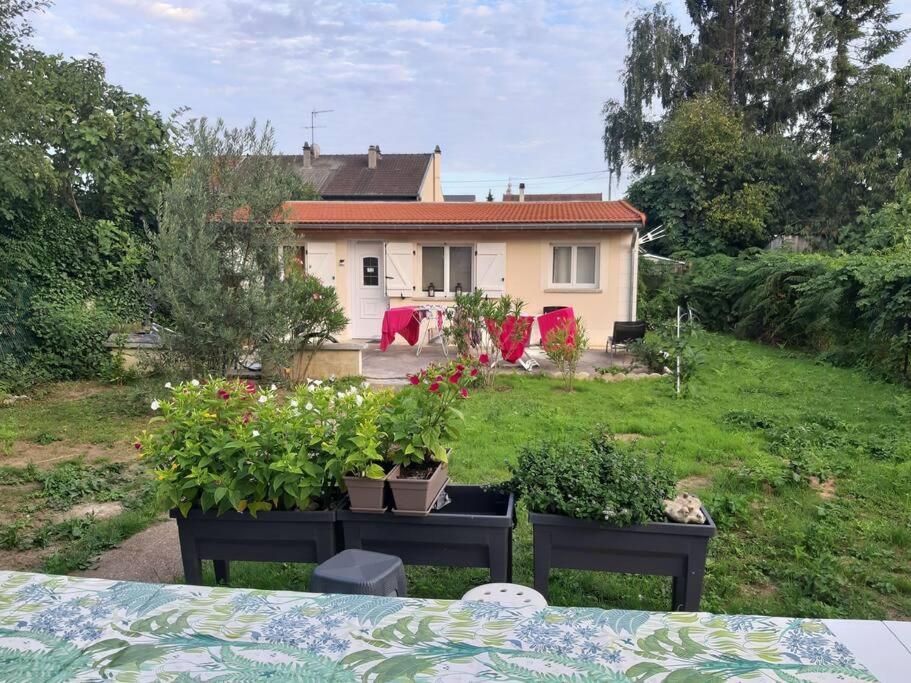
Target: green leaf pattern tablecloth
57,628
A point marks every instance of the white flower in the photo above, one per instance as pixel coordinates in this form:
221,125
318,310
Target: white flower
194,382
156,405
311,388
365,384
294,403
309,406
167,385
317,382
341,395
332,378
273,388
262,399
255,433
358,399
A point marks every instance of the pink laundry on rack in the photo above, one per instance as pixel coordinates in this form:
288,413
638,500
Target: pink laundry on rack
552,320
401,321
512,347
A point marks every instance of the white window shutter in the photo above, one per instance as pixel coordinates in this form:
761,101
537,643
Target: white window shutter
491,268
399,269
321,261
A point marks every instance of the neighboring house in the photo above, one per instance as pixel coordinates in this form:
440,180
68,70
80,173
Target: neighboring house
381,255
459,198
552,197
373,176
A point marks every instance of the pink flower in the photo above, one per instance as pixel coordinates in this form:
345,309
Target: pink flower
251,386
454,379
460,367
223,394
137,445
414,379
246,418
464,393
474,372
439,378
435,387
483,359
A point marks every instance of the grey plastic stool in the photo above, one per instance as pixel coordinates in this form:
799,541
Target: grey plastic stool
360,572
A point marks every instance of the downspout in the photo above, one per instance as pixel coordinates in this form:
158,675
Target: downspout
634,275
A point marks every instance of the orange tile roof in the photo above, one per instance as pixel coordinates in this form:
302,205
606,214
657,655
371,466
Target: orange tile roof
458,213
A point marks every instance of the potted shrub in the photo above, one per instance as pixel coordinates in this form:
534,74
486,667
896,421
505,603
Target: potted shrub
420,423
600,505
247,475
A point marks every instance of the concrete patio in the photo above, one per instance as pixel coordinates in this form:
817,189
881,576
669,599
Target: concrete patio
393,365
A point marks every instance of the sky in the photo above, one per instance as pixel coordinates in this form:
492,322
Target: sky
508,89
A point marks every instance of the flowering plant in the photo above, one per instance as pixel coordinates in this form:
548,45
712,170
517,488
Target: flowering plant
564,346
228,444
423,417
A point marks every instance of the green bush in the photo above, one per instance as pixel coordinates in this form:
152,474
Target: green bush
599,480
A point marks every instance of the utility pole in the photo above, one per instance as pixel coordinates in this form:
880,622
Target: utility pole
313,114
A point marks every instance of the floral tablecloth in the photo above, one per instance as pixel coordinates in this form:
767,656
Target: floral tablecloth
57,628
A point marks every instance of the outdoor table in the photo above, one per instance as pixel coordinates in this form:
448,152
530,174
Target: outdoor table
68,628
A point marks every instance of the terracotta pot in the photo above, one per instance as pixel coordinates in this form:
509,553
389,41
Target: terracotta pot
415,496
368,495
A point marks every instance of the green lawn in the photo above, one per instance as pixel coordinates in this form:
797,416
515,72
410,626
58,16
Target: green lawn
758,425
806,469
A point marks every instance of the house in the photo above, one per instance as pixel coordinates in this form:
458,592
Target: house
459,198
551,197
380,255
373,176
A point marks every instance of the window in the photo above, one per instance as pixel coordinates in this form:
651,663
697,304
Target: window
447,268
574,265
371,276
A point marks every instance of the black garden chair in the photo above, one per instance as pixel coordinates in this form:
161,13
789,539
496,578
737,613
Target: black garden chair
624,334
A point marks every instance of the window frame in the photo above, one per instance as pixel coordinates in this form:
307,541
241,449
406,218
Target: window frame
574,283
445,293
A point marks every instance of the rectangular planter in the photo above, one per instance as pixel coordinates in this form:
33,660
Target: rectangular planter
416,496
369,495
657,548
272,536
474,530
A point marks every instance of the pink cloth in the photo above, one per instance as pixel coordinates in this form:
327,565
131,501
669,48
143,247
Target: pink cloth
512,348
549,321
401,321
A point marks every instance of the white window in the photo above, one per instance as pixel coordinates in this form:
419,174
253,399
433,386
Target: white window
446,268
574,265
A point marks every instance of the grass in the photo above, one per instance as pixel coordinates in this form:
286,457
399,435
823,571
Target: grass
806,469
763,438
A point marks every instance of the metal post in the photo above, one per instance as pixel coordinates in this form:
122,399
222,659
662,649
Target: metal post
678,350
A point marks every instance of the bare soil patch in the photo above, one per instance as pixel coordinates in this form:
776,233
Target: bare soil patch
74,391
694,483
47,455
631,436
825,489
96,510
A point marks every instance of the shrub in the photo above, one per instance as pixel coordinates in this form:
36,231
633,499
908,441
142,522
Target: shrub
564,347
599,480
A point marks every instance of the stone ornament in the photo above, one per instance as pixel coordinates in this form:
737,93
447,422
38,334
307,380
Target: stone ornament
685,509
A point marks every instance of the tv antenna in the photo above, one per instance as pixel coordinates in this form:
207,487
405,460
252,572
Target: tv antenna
313,126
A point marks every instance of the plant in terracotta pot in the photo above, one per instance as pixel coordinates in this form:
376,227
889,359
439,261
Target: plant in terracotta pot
420,423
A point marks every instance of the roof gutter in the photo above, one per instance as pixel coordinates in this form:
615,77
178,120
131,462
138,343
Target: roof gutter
408,227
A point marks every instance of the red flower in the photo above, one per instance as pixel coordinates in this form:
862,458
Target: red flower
246,418
251,386
454,379
474,372
414,379
435,387
483,359
223,394
464,393
439,378
460,367
137,445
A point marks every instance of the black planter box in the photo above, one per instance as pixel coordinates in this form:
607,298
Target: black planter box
272,536
657,548
474,530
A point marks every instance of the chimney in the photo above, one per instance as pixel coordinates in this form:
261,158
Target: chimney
521,192
307,155
315,150
371,156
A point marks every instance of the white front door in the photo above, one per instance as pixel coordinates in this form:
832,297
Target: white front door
369,298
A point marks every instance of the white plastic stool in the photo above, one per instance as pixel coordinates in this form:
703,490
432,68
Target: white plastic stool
506,594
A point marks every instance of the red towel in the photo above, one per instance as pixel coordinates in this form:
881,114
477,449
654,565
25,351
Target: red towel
549,321
511,347
401,321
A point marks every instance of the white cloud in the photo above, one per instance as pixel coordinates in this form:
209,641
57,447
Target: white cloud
169,11
415,25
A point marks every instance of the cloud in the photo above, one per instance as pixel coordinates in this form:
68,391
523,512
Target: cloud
169,11
415,25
